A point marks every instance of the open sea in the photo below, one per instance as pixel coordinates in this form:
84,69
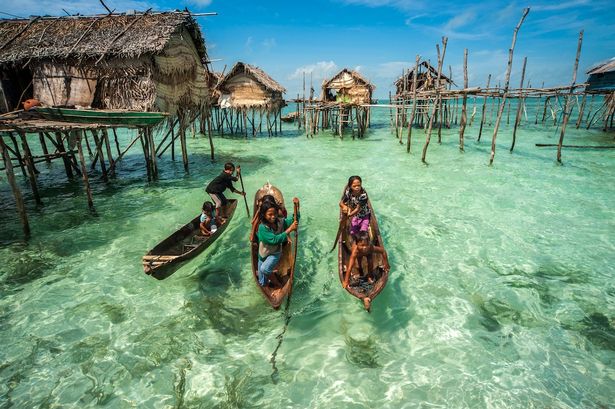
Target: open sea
501,292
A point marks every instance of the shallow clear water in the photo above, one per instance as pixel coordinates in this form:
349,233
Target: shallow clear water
501,291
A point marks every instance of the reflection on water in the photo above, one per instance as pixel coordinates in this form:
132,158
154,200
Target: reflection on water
500,293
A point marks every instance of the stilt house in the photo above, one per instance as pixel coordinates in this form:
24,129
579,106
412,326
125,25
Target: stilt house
426,79
602,77
349,87
245,93
134,61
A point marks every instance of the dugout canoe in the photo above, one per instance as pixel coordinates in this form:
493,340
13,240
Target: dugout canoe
286,267
101,116
360,288
186,243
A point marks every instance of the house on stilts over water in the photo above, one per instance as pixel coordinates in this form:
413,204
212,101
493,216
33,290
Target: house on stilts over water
250,101
602,81
93,74
344,103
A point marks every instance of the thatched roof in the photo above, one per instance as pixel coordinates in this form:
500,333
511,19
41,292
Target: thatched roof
259,75
358,78
427,68
91,37
603,67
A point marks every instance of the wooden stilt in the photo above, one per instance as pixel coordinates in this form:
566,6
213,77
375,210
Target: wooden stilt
182,139
464,114
482,116
566,113
10,175
518,115
433,113
100,154
30,167
41,139
105,137
581,110
117,143
413,113
84,172
501,108
62,150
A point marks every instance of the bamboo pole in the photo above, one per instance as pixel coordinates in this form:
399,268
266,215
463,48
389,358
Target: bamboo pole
566,113
105,137
464,113
101,156
431,119
41,139
10,175
510,60
520,103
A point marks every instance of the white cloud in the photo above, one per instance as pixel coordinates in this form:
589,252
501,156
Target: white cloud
248,44
200,3
392,70
320,70
459,20
269,43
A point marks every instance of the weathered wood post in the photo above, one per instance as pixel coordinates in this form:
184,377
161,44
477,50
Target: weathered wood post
518,116
10,175
568,98
464,113
84,171
508,69
30,167
411,122
482,117
433,113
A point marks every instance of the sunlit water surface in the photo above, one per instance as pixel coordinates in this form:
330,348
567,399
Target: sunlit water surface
501,293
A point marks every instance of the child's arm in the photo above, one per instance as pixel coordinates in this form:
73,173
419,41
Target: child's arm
354,211
385,259
351,262
204,230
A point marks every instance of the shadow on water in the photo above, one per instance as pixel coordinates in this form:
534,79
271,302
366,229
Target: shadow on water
28,263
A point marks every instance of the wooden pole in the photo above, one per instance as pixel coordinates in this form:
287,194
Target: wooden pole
30,166
482,118
98,143
41,138
506,84
84,172
433,113
10,175
566,113
105,137
464,113
581,110
411,122
520,104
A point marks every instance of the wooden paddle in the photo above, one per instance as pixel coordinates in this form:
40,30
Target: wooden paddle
244,195
343,220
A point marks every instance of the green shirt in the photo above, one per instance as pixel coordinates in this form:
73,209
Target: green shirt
271,239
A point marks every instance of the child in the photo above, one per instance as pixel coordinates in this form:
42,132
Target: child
364,248
273,232
354,204
223,181
209,219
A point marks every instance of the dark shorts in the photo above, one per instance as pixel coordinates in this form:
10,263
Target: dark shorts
219,199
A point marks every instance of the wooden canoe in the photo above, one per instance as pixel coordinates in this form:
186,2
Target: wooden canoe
360,287
101,116
186,243
286,266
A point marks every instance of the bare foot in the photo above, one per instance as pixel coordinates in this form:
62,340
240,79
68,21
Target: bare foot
367,303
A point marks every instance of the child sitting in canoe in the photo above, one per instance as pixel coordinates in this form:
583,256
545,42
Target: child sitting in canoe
363,248
354,204
209,220
223,181
273,232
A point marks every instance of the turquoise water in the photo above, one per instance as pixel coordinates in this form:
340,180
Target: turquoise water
501,291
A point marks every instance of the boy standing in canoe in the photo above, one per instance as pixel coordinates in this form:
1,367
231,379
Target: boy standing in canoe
223,181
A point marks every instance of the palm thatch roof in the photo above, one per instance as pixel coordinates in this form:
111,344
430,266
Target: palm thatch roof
256,73
424,67
358,78
94,37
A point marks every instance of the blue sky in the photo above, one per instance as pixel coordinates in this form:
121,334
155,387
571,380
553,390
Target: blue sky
382,37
